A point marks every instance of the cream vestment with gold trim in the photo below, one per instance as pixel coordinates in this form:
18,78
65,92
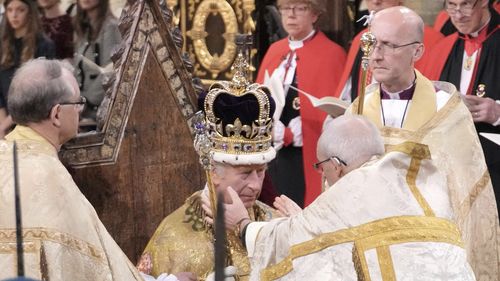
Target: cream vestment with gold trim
449,132
63,236
388,220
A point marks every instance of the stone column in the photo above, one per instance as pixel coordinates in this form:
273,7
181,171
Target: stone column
427,9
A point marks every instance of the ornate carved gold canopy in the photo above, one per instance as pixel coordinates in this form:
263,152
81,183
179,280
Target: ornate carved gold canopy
209,28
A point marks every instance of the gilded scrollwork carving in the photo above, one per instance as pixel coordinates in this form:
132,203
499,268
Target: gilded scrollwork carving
213,62
214,57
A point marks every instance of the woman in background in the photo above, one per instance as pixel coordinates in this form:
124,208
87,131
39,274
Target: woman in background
57,25
96,34
309,61
22,40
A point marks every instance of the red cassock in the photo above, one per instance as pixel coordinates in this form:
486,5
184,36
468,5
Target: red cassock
319,65
441,19
431,37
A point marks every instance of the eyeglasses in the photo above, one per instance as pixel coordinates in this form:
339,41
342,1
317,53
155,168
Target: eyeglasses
81,104
386,47
465,9
317,166
295,10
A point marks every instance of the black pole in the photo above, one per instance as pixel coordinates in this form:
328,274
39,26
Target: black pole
19,223
220,240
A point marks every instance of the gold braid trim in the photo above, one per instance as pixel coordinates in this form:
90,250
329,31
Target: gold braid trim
33,238
418,152
360,265
411,178
379,233
468,202
385,262
418,135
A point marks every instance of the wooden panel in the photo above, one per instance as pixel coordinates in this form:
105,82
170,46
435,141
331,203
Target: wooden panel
157,167
140,165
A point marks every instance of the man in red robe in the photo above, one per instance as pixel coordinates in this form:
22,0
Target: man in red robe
350,80
443,23
309,61
470,60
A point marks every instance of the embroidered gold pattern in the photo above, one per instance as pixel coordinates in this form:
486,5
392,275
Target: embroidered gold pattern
468,202
37,235
419,134
385,262
194,215
384,232
361,265
418,152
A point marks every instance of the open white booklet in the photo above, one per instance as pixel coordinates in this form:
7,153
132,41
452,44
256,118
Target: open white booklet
331,105
274,84
492,137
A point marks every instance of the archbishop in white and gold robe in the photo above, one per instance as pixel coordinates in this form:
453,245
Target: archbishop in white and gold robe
437,117
63,238
390,219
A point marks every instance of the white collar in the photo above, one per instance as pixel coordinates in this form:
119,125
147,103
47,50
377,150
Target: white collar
476,33
297,44
395,95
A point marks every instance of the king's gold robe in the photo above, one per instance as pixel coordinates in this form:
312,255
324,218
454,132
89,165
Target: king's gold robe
447,128
183,242
63,238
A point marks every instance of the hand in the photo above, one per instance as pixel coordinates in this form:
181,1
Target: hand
5,125
482,109
235,212
186,276
278,134
229,273
145,264
286,206
295,126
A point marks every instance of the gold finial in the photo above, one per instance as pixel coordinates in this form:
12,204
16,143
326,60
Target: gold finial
240,68
368,42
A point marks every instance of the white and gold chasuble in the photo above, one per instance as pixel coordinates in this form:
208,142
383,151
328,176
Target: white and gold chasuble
63,236
391,219
449,132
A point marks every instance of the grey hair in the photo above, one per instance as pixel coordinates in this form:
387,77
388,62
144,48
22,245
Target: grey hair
37,86
218,168
352,138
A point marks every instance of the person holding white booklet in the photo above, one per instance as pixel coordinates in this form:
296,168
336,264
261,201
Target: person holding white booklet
309,61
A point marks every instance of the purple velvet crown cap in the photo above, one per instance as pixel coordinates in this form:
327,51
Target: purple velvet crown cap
227,108
238,117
